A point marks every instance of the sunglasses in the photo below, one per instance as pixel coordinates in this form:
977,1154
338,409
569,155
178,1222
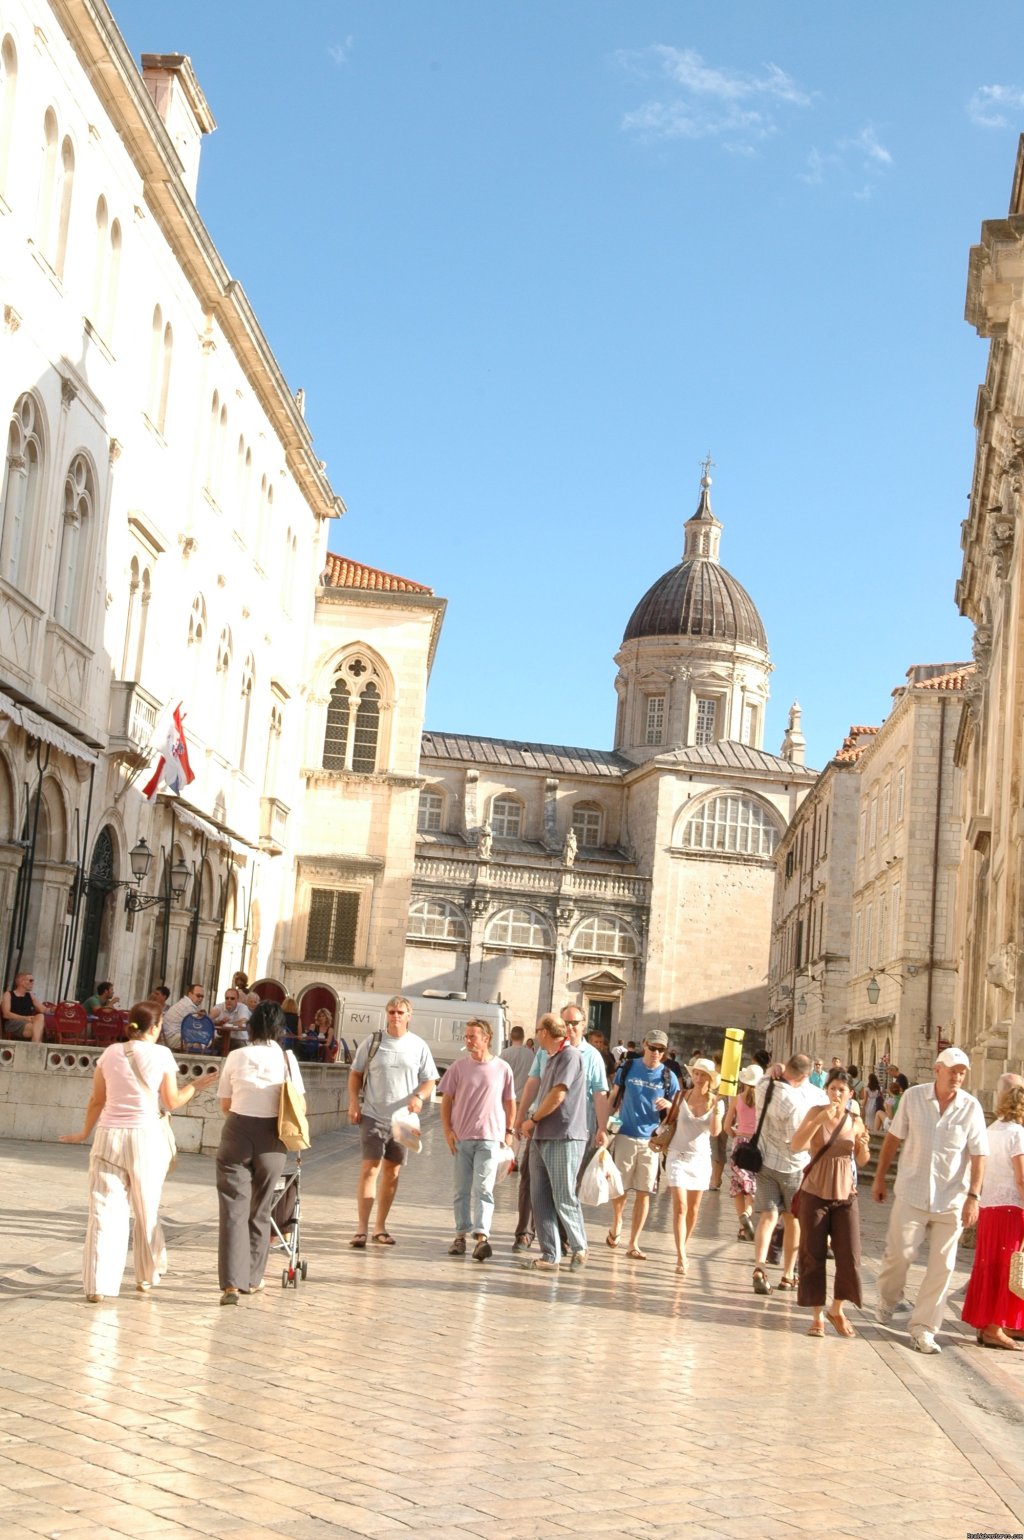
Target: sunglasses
656,1047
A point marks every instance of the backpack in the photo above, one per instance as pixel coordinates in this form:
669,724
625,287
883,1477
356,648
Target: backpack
620,1085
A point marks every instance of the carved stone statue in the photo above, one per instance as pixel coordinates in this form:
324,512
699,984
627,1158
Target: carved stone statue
483,842
570,848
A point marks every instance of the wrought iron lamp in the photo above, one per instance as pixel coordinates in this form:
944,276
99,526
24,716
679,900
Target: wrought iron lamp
140,858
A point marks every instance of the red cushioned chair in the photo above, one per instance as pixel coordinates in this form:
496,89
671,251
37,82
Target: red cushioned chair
69,1024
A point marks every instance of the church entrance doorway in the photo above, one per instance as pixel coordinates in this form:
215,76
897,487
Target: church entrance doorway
599,1017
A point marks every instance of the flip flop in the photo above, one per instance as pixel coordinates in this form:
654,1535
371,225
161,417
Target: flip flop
358,1242
817,1328
611,1239
637,1254
841,1324
382,1238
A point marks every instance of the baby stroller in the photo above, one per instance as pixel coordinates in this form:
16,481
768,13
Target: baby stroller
285,1216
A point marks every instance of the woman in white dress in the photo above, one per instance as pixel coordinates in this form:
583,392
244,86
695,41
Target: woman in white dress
688,1158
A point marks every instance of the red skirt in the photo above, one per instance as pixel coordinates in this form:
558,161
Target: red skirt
988,1301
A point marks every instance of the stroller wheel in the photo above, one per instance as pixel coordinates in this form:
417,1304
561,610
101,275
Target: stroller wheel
304,1266
284,1279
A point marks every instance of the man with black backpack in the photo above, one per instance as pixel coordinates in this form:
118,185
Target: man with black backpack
643,1089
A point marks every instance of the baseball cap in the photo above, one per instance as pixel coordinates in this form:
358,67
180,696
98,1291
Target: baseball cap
953,1058
656,1039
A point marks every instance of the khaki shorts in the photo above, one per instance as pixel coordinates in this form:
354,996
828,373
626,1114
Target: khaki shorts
637,1164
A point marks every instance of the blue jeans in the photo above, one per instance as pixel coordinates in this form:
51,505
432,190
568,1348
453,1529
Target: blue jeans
476,1165
553,1167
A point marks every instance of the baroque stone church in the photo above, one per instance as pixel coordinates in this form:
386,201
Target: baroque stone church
637,880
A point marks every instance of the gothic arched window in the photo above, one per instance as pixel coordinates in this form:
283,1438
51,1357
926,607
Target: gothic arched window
364,749
353,728
19,501
79,502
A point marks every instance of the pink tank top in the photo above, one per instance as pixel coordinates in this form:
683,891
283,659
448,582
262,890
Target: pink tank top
746,1119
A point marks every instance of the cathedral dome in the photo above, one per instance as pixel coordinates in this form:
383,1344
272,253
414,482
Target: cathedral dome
699,598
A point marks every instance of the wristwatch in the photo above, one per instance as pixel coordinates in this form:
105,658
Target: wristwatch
975,1195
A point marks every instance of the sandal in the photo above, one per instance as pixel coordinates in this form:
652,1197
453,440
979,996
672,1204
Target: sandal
637,1254
358,1242
382,1238
612,1238
787,1283
761,1284
841,1324
817,1328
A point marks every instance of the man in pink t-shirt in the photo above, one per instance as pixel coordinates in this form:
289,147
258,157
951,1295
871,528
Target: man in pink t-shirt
478,1112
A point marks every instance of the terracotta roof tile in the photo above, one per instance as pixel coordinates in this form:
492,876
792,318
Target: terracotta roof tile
852,747
952,681
342,573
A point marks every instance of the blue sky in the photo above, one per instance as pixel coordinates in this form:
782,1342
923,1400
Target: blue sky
532,259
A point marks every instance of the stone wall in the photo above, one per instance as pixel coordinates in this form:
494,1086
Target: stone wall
44,1091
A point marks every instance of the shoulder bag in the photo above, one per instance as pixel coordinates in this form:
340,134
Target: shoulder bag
1016,1278
663,1135
747,1157
794,1203
292,1124
164,1117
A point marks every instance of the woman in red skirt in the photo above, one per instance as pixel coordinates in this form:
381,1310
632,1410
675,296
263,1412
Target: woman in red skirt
989,1305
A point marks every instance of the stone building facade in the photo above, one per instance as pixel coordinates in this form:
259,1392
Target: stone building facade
990,592
637,880
164,523
811,915
863,959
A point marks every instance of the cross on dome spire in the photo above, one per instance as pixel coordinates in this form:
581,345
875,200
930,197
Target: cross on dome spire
703,531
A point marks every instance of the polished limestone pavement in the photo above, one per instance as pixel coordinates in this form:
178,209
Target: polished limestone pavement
403,1392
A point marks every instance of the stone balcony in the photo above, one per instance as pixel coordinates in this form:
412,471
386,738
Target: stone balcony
133,714
515,876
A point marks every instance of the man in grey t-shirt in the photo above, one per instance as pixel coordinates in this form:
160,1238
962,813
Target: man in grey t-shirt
391,1070
558,1134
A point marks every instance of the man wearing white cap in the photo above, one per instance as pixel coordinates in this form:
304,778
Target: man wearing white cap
940,1132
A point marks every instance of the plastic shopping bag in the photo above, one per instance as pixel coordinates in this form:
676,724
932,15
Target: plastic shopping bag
601,1181
405,1129
506,1160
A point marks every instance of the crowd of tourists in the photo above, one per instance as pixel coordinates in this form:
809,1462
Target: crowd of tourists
583,1123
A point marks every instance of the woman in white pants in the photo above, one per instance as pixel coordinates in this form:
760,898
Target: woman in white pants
130,1155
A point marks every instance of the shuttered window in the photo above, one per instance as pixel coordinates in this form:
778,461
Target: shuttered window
333,920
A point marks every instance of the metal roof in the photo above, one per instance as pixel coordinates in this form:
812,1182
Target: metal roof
516,755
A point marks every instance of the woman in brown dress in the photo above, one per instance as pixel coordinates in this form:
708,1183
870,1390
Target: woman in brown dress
828,1204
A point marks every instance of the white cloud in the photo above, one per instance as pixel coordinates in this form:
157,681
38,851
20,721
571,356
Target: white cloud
340,52
709,101
854,163
996,106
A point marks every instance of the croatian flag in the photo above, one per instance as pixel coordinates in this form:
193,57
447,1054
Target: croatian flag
172,766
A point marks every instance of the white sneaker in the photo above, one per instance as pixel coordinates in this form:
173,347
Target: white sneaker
924,1342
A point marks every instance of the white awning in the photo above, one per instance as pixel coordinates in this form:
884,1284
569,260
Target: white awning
48,732
191,820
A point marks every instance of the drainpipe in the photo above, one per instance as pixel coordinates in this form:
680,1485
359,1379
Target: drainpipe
935,871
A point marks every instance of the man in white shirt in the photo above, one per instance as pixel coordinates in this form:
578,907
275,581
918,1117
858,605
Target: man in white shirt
391,1070
939,1130
792,1095
234,1013
190,1004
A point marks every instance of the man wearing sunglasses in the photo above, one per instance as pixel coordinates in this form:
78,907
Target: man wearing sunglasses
643,1090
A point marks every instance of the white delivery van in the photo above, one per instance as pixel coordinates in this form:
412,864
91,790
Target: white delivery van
439,1019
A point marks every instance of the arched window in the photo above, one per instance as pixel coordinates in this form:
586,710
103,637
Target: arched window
352,733
430,814
197,621
507,817
100,264
364,749
109,310
8,91
67,182
224,650
211,447
248,681
519,928
273,750
336,736
46,216
732,823
166,350
433,920
604,935
19,501
588,825
139,593
79,502
156,338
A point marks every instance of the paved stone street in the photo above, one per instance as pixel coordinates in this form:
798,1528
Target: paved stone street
405,1392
